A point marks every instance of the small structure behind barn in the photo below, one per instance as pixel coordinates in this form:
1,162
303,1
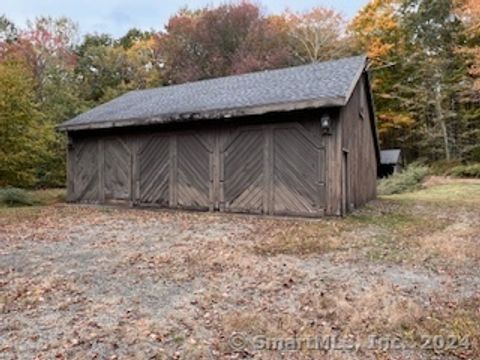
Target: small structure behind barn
294,141
391,162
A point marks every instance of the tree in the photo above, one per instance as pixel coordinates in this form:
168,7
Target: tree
108,69
377,30
8,31
437,74
23,135
214,42
318,35
266,46
134,36
469,13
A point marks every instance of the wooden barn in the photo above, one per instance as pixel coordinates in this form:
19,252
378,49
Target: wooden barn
295,141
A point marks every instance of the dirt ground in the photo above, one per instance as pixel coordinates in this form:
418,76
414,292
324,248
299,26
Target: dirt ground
398,279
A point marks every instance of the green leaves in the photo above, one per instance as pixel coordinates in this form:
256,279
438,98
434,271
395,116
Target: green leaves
421,80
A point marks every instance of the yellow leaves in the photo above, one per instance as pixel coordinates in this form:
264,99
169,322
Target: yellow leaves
392,120
379,49
376,28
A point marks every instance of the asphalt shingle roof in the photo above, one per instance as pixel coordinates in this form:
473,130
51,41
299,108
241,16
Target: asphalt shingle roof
308,86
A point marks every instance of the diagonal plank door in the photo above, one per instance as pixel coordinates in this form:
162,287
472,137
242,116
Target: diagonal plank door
298,186
243,165
154,169
117,169
193,177
86,177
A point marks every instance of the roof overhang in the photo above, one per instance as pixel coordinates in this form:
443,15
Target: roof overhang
373,116
210,114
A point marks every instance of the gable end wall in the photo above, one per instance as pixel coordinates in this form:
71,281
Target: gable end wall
358,146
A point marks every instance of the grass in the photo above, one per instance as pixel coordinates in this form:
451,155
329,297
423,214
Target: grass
404,266
458,321
48,196
454,193
302,239
15,197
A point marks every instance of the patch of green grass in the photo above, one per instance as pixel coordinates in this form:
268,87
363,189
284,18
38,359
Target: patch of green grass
11,197
394,232
49,196
392,221
178,339
15,197
451,193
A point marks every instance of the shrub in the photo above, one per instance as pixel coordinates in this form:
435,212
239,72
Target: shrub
442,167
465,171
405,181
15,197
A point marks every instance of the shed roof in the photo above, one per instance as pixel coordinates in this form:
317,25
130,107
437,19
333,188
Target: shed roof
390,156
324,84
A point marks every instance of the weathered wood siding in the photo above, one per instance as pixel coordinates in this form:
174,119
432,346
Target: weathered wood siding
270,167
280,164
358,150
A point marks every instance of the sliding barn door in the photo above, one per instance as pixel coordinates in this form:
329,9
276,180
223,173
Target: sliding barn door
153,170
193,176
243,169
117,168
298,168
84,173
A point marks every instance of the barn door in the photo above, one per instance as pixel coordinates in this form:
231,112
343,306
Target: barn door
298,167
153,170
84,175
193,176
117,169
243,169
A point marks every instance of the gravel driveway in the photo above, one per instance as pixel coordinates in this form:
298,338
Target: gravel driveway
84,282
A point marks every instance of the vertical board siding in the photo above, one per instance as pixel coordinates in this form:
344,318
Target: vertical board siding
276,168
358,142
333,168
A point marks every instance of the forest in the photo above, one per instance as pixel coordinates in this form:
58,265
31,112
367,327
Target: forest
424,62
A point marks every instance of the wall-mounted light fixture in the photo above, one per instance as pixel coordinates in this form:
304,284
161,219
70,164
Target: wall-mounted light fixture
325,124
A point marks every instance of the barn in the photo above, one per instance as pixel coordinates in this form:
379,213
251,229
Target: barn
294,141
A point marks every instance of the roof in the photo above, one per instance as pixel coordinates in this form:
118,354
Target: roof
317,85
391,156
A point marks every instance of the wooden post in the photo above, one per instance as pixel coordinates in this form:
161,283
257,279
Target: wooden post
172,187
70,169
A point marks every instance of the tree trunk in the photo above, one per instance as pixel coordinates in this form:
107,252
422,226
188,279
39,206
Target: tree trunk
441,120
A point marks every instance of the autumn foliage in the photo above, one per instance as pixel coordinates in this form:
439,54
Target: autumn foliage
425,70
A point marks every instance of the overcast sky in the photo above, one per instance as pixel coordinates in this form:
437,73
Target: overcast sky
117,16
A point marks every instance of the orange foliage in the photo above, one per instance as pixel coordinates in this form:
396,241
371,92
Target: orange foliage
376,28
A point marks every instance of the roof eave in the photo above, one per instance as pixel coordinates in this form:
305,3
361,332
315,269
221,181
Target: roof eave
356,79
211,114
373,113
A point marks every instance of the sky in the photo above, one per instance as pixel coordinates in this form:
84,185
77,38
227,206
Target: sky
117,16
